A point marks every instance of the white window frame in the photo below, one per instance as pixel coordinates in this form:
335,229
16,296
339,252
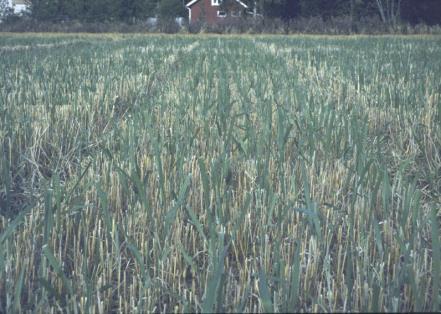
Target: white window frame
216,3
224,15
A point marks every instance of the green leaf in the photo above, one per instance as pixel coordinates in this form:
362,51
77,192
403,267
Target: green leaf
57,268
295,279
18,290
264,293
145,275
436,260
14,224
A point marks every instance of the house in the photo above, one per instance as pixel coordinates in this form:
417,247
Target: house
214,11
19,6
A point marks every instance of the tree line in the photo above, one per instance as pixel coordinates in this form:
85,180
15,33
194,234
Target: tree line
389,11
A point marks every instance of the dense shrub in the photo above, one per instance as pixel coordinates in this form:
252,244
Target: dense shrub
168,26
340,25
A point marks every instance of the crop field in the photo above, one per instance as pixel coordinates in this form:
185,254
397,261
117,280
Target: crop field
219,174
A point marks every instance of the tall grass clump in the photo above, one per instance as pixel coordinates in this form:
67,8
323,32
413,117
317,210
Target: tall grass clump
208,174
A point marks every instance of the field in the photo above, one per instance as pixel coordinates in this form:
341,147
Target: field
229,174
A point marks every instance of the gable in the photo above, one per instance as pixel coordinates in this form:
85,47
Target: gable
191,3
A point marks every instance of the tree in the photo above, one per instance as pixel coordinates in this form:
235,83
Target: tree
284,9
311,7
171,8
96,10
389,10
137,9
44,9
273,8
422,11
4,9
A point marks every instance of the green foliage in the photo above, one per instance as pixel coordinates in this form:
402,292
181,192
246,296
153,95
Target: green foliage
132,10
137,9
97,10
4,8
171,8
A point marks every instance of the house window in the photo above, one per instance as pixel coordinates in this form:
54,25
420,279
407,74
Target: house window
221,14
235,14
216,2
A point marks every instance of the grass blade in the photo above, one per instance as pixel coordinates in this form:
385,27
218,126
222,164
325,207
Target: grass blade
264,293
436,260
57,268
